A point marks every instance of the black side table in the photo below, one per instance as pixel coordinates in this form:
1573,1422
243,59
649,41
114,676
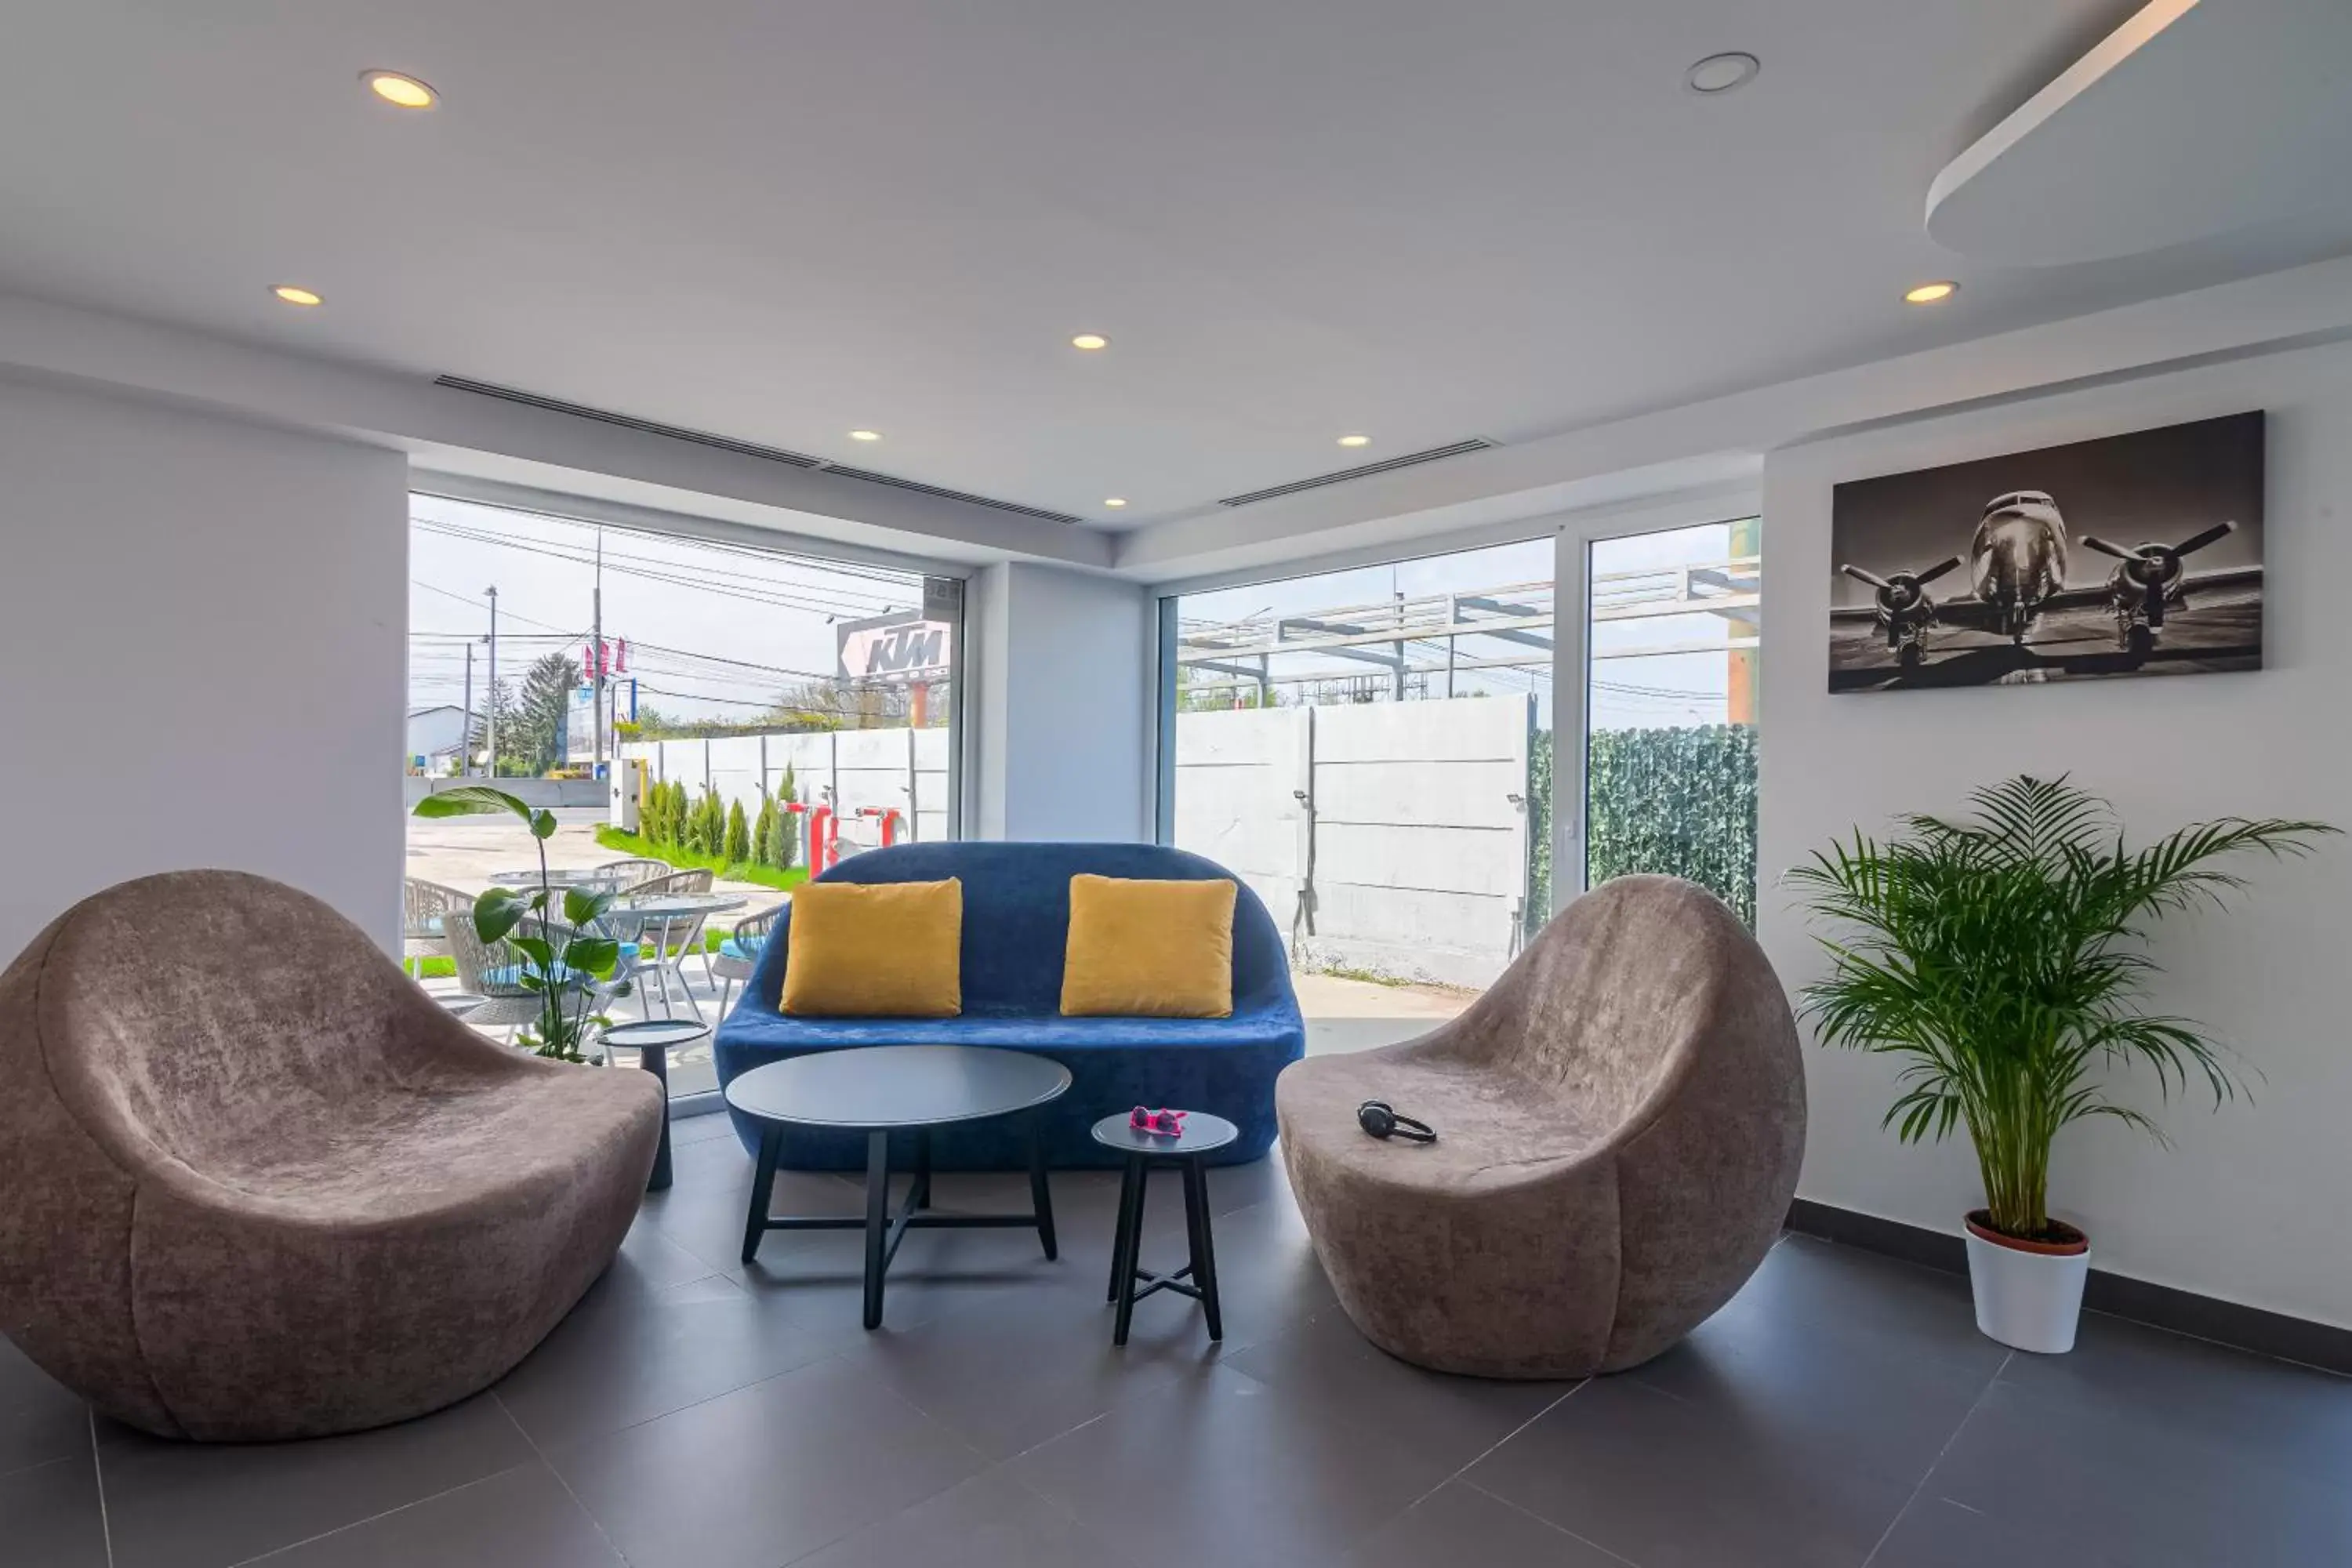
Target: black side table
653,1040
1202,1135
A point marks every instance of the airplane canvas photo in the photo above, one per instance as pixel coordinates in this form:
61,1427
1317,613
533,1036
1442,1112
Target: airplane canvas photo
2135,555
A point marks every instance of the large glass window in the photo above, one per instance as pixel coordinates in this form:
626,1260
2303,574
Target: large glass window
1670,708
718,715
1363,748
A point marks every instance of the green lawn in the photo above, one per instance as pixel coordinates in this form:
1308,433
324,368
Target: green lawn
688,860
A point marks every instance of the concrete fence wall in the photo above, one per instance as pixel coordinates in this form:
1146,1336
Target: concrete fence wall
849,770
1387,836
530,791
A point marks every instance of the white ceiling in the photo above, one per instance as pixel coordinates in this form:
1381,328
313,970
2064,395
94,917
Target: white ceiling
1294,217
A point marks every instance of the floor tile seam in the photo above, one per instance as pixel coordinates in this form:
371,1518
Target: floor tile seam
1552,1525
1475,1460
562,1480
986,1464
277,1552
98,1475
14,1471
1928,1474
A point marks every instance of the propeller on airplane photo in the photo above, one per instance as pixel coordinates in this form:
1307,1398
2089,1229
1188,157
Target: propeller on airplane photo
1902,592
2154,568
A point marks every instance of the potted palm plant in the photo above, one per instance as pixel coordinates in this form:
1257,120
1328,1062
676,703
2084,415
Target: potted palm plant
565,977
2003,959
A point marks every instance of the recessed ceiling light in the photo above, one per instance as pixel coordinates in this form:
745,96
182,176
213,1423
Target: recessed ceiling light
1114,500
1090,341
1722,73
295,294
865,435
400,91
1928,293
1355,440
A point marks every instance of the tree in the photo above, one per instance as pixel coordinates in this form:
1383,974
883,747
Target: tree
763,830
738,836
498,703
542,709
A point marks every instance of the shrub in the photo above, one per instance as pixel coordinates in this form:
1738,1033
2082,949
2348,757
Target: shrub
738,836
763,830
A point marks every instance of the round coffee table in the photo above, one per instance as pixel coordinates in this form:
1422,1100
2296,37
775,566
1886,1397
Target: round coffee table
653,1040
1202,1135
880,1089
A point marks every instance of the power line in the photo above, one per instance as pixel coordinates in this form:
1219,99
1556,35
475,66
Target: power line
780,594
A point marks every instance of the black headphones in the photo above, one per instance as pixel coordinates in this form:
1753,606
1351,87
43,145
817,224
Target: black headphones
1380,1119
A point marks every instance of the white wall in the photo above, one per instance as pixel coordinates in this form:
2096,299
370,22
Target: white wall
201,607
2249,1204
1061,704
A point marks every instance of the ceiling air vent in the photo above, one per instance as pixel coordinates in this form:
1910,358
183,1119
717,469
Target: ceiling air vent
743,448
1386,465
630,421
895,482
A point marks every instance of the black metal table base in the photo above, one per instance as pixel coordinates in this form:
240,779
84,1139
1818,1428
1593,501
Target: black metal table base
1129,1281
883,1231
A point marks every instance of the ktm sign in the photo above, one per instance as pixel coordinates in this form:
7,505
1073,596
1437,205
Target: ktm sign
895,647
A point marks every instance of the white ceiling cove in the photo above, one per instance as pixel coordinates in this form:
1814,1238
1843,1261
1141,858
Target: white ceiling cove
1497,218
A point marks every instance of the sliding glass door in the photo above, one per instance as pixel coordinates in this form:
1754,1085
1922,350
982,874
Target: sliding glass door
1668,690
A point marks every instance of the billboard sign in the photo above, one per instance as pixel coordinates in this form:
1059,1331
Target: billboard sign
899,648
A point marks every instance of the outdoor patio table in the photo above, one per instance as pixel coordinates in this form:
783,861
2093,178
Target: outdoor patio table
583,876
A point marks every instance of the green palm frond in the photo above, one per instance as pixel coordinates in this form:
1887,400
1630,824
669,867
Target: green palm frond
2004,957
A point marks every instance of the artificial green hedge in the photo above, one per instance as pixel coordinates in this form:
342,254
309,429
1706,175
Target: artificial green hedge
1681,802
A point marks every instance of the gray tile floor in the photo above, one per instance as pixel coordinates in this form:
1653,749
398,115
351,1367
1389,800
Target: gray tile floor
1841,1411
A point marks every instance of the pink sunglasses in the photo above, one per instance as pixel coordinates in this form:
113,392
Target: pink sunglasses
1166,1123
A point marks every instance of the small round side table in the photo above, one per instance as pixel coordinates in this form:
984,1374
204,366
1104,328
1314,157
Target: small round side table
1202,1135
653,1040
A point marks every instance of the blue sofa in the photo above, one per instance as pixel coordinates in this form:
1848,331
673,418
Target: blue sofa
1016,914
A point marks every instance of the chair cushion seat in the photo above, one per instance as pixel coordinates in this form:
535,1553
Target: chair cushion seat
1493,1130
737,947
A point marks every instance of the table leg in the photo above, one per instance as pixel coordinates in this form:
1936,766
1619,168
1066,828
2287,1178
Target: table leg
1126,1183
878,1221
1130,1248
1041,1193
1204,1249
654,1059
764,1187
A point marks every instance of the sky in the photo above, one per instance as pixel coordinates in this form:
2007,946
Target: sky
717,631
714,631
1627,692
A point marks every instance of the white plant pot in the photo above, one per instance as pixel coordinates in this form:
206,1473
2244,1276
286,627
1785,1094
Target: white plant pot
2027,1299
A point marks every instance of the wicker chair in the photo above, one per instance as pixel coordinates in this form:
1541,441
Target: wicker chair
492,971
738,953
424,908
627,876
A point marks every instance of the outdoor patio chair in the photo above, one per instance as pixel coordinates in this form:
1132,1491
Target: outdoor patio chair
423,909
664,944
741,951
627,876
493,972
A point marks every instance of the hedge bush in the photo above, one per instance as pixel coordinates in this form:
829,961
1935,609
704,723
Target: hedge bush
1677,801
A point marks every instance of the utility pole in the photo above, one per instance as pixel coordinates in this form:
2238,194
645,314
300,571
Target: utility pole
596,657
493,704
466,721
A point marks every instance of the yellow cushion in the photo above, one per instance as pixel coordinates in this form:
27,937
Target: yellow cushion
1147,948
876,950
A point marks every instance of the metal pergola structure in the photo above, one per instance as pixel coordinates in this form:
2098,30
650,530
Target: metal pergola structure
1422,638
